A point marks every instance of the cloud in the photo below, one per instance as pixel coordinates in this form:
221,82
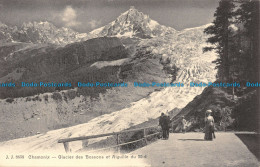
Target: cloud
94,23
69,17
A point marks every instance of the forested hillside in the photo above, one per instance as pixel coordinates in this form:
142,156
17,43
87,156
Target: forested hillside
234,35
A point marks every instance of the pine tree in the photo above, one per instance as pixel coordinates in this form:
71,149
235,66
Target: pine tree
220,37
248,15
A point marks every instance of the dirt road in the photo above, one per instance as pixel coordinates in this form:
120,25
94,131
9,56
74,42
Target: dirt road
190,150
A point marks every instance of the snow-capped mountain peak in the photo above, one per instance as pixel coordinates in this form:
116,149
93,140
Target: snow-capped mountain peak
133,23
40,32
46,26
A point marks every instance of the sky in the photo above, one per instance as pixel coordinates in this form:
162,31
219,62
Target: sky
86,15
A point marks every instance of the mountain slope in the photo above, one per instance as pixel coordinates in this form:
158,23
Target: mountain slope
71,63
90,61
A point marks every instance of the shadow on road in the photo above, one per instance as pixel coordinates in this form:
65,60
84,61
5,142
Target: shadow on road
252,143
192,139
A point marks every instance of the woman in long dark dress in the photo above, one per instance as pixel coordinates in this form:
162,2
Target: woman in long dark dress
209,126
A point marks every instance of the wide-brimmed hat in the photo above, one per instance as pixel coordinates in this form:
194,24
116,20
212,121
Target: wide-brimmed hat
208,111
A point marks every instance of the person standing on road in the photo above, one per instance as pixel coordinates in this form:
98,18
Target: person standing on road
168,124
163,124
209,126
183,125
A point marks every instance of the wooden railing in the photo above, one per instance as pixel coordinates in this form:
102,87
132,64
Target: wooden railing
67,140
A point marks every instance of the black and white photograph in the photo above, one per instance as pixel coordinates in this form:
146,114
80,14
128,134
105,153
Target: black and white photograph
129,83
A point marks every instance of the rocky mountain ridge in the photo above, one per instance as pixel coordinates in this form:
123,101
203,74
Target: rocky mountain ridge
39,32
132,24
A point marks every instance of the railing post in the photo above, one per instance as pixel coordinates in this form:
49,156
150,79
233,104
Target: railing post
66,146
117,142
145,139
